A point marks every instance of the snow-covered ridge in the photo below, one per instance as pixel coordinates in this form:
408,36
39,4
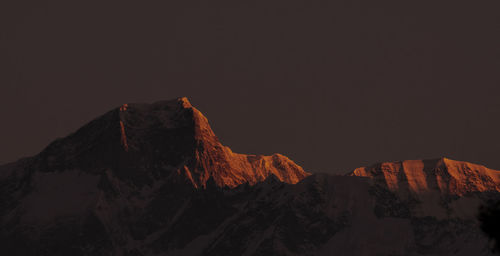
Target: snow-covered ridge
443,175
165,137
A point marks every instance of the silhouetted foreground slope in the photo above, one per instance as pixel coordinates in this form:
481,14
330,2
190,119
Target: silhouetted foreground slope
153,179
489,216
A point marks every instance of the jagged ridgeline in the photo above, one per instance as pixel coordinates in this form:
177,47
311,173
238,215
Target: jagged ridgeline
153,179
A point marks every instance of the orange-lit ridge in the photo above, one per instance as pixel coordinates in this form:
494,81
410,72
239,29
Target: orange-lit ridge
210,158
206,158
444,175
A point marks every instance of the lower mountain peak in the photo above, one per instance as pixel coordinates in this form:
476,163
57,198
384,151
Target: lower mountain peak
443,174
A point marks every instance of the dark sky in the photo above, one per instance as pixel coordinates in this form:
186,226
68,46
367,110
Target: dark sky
332,84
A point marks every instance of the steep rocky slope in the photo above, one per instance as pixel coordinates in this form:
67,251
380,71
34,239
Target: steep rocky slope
141,142
153,179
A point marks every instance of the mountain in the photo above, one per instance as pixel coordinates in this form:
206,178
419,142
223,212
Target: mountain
442,175
153,179
142,142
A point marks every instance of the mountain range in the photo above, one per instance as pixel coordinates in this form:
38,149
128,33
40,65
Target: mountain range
154,179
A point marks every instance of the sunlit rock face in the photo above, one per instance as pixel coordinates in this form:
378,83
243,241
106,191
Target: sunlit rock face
142,142
442,188
442,175
165,127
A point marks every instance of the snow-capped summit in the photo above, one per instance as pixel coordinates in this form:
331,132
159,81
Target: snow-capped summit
443,175
161,139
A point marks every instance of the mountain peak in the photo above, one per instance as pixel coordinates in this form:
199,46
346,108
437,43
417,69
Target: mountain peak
162,138
185,102
442,174
181,102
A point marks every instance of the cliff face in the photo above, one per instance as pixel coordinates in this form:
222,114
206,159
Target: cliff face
162,139
210,159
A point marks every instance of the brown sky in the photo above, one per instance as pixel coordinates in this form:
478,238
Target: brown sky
332,84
